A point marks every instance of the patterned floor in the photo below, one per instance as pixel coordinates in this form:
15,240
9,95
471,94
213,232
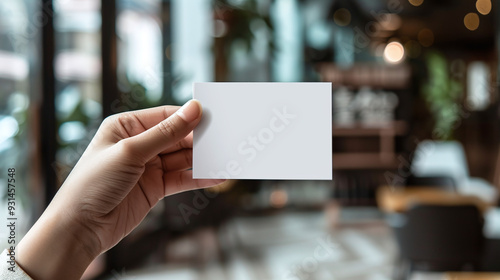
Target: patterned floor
287,246
295,246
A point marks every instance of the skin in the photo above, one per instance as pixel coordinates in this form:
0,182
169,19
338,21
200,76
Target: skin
135,160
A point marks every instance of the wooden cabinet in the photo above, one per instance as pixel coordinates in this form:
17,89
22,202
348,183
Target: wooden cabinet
384,158
363,154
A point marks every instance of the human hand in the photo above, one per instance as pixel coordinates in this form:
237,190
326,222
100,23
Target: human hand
135,159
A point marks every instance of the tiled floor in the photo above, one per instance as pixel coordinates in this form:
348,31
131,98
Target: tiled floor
293,246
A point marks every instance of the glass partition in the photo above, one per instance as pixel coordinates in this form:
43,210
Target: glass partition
77,26
19,104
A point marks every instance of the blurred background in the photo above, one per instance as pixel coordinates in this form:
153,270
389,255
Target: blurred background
416,130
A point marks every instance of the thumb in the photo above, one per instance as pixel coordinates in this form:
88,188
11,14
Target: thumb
168,132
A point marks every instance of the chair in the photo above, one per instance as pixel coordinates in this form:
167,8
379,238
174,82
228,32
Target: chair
442,182
447,158
439,238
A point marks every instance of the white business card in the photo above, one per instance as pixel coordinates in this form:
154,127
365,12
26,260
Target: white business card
263,131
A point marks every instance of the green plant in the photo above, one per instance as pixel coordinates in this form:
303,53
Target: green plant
238,21
240,18
443,95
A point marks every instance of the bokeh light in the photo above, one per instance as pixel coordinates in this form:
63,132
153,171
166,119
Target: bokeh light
394,52
416,3
483,6
9,127
168,52
220,28
390,21
342,17
278,198
471,21
72,131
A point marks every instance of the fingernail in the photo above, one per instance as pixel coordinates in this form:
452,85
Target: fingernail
190,111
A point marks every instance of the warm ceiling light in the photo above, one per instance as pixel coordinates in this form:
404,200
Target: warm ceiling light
342,17
394,52
483,6
416,3
426,37
471,21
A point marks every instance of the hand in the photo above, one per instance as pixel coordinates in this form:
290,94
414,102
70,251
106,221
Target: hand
135,160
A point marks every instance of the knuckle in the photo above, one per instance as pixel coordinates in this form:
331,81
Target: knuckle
118,120
168,128
125,121
109,120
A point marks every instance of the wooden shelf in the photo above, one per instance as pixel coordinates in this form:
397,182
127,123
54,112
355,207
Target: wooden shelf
364,161
367,74
392,128
386,158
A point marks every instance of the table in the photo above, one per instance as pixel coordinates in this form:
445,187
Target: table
471,276
400,199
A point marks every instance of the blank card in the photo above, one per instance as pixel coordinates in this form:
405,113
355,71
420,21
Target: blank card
263,131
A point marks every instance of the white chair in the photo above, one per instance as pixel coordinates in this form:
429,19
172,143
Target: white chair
447,158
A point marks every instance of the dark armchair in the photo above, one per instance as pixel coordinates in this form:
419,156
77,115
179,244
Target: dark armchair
439,238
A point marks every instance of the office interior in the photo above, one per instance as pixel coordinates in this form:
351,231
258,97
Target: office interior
415,130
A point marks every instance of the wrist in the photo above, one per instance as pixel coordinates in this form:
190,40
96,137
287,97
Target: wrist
56,248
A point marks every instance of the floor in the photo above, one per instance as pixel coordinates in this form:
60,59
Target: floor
288,246
293,246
